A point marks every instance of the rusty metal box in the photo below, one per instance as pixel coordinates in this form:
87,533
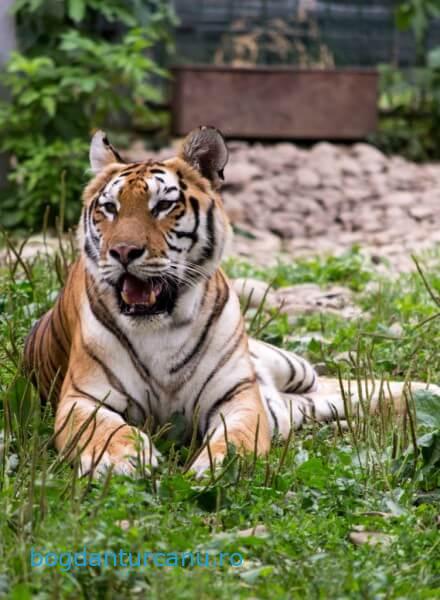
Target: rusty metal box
278,103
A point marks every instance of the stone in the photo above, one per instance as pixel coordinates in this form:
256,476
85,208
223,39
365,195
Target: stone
350,166
309,298
324,149
238,174
289,154
257,531
257,245
368,154
234,209
420,212
306,177
371,538
283,225
253,292
400,198
356,193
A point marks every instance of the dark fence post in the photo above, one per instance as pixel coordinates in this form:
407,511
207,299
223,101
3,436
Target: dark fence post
7,44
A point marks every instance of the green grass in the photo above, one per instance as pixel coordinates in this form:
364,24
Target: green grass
308,495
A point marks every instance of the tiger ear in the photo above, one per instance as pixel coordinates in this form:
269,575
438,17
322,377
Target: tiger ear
102,153
205,149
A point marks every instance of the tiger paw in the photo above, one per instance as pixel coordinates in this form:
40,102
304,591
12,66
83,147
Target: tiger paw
129,453
203,464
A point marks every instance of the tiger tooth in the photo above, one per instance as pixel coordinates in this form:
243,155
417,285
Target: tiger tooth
152,298
125,297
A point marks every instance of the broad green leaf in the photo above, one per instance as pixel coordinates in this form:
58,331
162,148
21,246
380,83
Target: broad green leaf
312,472
50,105
434,58
428,408
430,447
21,591
76,10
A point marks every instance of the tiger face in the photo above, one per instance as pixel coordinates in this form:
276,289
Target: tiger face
152,230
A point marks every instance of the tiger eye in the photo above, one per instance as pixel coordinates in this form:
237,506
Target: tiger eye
162,205
110,208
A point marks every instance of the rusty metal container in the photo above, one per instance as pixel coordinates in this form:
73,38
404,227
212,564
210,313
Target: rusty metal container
277,103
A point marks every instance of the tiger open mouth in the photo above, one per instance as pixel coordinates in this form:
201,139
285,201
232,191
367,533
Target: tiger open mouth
153,296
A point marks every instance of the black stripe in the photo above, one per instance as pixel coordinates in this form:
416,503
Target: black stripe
288,361
91,244
89,250
47,355
112,378
101,314
292,390
208,249
272,414
196,210
94,236
192,235
55,335
184,234
221,363
61,317
84,394
311,404
227,397
219,304
29,345
172,247
128,170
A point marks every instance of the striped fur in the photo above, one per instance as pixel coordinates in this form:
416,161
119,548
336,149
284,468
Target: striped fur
110,374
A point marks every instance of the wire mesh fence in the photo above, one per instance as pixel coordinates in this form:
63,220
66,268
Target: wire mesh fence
309,33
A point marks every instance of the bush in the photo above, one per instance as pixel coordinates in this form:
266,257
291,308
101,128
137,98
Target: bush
102,73
410,110
410,98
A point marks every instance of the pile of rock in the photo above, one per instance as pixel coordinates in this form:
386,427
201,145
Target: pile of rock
300,299
327,198
330,197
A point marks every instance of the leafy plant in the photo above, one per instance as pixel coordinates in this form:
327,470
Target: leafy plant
410,98
350,267
416,15
70,81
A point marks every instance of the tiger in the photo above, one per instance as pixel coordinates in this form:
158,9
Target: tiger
148,326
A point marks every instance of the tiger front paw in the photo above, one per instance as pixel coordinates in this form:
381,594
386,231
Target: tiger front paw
204,463
128,452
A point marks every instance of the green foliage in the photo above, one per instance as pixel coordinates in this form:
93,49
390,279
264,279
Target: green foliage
426,454
349,268
417,15
70,81
410,105
410,98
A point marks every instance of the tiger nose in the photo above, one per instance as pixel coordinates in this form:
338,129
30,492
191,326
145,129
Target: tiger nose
125,253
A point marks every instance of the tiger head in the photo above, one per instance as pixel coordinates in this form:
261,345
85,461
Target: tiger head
152,230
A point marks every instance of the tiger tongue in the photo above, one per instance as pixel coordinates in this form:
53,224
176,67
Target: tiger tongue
135,291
